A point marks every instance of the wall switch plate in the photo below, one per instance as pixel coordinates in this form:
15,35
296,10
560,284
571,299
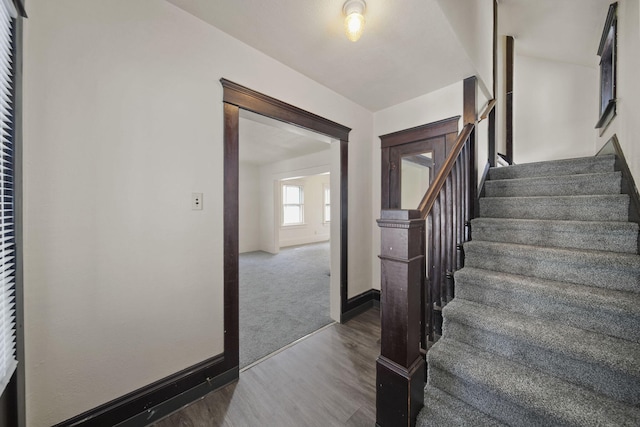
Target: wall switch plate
196,201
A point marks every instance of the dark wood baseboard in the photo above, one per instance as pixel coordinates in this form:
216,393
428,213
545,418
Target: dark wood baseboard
360,304
612,146
159,399
376,298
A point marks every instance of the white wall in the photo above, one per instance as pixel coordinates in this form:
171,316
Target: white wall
626,125
437,105
250,213
314,228
472,22
122,122
555,109
415,181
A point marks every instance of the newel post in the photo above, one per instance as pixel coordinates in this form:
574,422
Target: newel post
400,368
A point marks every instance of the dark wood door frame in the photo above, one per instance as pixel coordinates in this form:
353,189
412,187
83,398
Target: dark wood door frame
446,129
235,98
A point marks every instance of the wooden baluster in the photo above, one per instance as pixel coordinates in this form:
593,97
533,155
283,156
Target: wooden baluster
400,368
454,224
467,191
423,294
451,247
443,249
462,187
430,269
448,265
460,228
435,262
450,285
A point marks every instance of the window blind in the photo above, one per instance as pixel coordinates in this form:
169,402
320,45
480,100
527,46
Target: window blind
7,230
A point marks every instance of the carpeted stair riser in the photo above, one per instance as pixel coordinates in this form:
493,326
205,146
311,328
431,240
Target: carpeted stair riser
568,185
519,395
576,208
601,235
600,269
585,165
614,313
446,410
600,363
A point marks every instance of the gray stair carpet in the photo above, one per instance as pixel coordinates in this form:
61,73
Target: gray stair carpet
545,326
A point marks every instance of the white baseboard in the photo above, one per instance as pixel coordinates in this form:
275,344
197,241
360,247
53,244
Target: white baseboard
304,240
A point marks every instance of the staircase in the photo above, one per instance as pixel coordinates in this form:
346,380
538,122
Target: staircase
545,326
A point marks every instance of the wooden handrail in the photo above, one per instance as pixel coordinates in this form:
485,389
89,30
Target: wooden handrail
490,105
434,189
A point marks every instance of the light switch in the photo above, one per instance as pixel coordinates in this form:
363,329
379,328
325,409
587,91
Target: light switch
196,201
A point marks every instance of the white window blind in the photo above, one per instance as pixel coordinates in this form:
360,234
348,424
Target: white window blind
7,234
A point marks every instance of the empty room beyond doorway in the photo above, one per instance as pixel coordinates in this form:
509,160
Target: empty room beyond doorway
284,232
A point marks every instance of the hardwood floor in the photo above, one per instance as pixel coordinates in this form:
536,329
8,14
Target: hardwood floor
326,380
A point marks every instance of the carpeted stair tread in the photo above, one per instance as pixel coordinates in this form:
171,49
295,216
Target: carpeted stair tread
615,313
576,166
595,268
605,364
519,395
577,208
565,185
599,235
442,409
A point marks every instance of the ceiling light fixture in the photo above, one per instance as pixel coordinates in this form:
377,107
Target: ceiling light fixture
354,21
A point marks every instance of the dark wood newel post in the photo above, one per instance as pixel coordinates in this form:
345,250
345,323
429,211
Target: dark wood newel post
400,368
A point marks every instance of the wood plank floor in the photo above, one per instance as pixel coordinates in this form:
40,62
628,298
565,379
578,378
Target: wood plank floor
327,379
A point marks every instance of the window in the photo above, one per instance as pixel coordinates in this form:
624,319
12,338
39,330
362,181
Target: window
7,230
292,204
607,53
327,204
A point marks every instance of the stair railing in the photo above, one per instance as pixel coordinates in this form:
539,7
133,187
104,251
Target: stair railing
411,299
447,207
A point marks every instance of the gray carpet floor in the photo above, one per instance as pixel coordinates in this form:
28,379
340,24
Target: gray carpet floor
283,297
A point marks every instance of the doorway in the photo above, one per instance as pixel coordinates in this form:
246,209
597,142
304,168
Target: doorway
284,235
238,98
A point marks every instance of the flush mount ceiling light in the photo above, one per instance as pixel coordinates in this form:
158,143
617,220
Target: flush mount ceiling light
354,21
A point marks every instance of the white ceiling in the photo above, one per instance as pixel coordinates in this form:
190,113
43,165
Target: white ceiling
403,43
408,47
267,141
562,30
